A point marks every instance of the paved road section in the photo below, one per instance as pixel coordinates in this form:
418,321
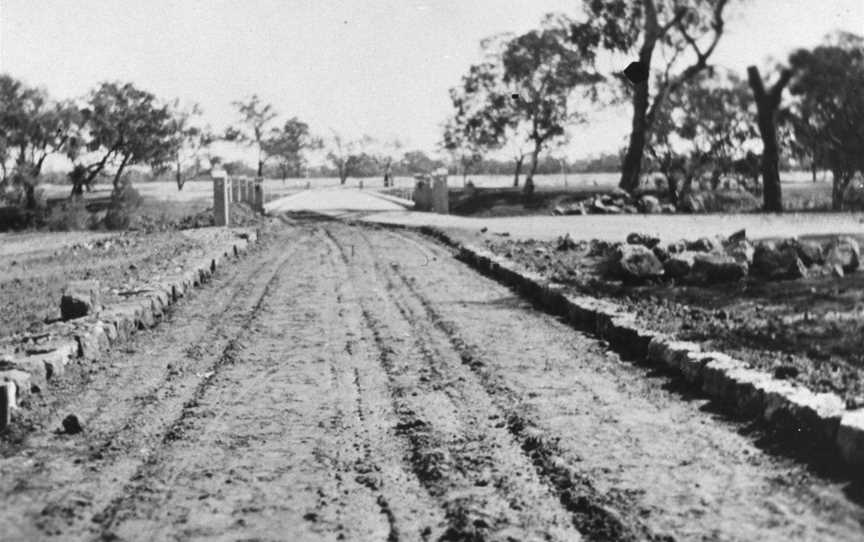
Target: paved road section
333,202
349,202
347,383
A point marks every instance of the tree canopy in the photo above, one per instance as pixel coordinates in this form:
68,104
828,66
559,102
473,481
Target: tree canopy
287,145
685,31
255,116
827,116
120,126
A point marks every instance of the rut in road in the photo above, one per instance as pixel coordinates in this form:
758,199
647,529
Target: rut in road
365,385
128,402
615,434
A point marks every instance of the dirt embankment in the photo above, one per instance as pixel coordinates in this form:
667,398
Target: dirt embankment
363,385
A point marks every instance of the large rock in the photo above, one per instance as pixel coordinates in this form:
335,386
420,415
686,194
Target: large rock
636,263
80,298
620,193
693,203
643,239
705,244
737,237
598,206
742,251
810,252
711,268
679,264
661,253
676,247
845,252
649,205
775,263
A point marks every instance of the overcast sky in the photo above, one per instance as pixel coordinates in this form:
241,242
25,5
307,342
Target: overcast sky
380,67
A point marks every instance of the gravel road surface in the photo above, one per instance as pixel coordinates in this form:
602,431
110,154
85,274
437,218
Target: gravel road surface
348,383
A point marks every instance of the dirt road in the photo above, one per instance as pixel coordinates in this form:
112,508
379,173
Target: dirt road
344,383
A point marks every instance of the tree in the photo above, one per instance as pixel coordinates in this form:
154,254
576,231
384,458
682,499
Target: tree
254,118
483,110
767,108
388,156
544,69
639,27
463,147
287,145
190,152
348,157
704,128
828,113
414,162
32,127
120,126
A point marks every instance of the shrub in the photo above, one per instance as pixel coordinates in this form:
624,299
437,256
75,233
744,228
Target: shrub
124,201
69,215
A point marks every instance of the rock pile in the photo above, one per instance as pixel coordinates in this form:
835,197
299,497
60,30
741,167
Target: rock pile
614,203
715,260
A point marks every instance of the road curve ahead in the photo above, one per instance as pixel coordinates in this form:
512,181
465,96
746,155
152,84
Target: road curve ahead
348,383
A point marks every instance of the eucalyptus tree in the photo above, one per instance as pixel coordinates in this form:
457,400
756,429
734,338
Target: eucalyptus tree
685,33
827,114
288,144
120,126
255,118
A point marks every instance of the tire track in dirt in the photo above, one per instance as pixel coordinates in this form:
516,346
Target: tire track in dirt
310,445
723,486
122,425
108,516
460,449
597,516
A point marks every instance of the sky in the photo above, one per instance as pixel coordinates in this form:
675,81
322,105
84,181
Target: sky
378,67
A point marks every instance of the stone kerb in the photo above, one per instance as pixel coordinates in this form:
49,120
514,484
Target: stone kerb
31,362
740,389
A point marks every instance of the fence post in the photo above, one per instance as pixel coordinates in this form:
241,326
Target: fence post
235,189
220,199
259,195
440,198
249,196
6,401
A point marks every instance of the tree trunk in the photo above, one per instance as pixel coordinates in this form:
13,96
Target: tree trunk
528,189
840,182
388,177
179,177
518,170
632,165
30,191
120,169
767,104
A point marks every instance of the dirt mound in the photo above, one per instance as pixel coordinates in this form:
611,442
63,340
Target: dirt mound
241,215
810,324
